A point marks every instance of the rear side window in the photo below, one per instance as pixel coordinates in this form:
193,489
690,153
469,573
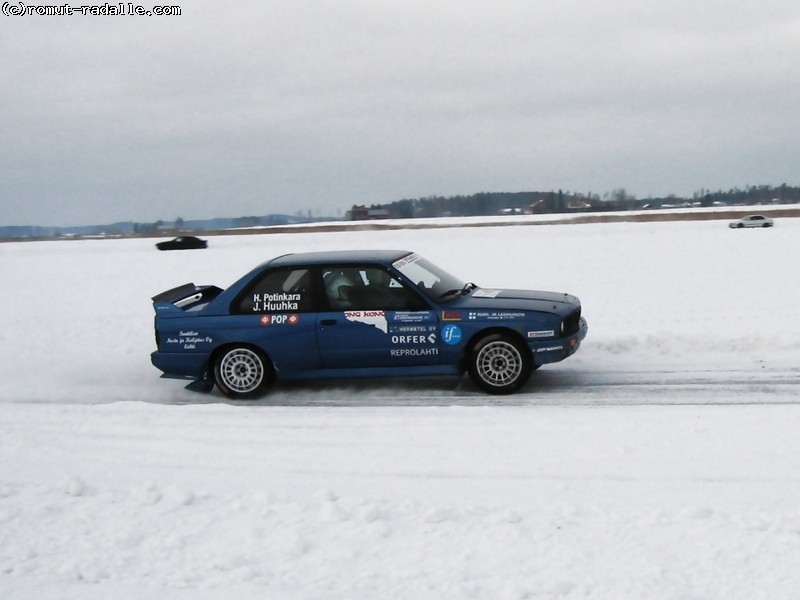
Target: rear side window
280,291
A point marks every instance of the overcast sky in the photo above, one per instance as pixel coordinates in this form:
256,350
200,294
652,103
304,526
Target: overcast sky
280,106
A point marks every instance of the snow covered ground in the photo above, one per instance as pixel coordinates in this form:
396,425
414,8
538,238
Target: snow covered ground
661,461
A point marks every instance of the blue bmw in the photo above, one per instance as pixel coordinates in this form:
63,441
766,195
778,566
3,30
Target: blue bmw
355,314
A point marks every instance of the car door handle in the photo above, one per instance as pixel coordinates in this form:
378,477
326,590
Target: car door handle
328,321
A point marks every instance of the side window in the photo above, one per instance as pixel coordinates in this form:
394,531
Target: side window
341,284
368,288
281,291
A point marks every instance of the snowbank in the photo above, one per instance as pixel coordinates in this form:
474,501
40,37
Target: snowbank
658,462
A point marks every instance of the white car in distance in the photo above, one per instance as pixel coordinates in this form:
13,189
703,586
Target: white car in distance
751,221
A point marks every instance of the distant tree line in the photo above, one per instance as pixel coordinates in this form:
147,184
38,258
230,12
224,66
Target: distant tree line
180,224
494,203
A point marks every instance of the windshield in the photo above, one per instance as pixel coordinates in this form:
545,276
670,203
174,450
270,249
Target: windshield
430,279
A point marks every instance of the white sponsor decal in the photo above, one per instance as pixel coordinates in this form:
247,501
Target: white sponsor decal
411,317
275,302
415,352
189,340
412,328
405,261
486,293
414,339
550,349
494,316
375,318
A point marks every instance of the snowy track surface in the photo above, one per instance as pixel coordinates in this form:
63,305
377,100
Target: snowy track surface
661,461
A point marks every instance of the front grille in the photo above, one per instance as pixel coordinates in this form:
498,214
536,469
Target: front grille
573,322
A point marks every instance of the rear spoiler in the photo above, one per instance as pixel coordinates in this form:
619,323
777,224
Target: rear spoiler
184,297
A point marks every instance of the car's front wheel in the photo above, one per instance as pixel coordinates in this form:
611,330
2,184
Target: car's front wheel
499,364
242,372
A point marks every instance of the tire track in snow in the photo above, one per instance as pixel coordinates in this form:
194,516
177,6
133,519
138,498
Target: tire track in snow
564,387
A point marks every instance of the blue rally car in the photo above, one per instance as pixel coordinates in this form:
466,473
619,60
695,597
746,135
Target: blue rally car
358,314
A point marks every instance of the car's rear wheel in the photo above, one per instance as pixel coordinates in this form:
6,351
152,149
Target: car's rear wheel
499,364
242,372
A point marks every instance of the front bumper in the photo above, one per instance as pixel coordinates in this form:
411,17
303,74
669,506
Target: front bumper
555,350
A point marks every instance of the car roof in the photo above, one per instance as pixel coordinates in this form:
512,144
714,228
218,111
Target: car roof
338,256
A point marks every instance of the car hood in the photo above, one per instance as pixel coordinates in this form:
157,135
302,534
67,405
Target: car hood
518,300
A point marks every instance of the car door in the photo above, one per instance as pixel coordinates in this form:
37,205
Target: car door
374,320
278,313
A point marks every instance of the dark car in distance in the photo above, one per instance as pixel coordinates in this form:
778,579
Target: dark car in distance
356,314
184,242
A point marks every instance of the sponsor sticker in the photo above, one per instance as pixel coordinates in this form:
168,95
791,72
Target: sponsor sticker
292,319
414,352
411,328
374,318
414,339
494,315
405,261
451,334
189,339
402,316
275,302
486,293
